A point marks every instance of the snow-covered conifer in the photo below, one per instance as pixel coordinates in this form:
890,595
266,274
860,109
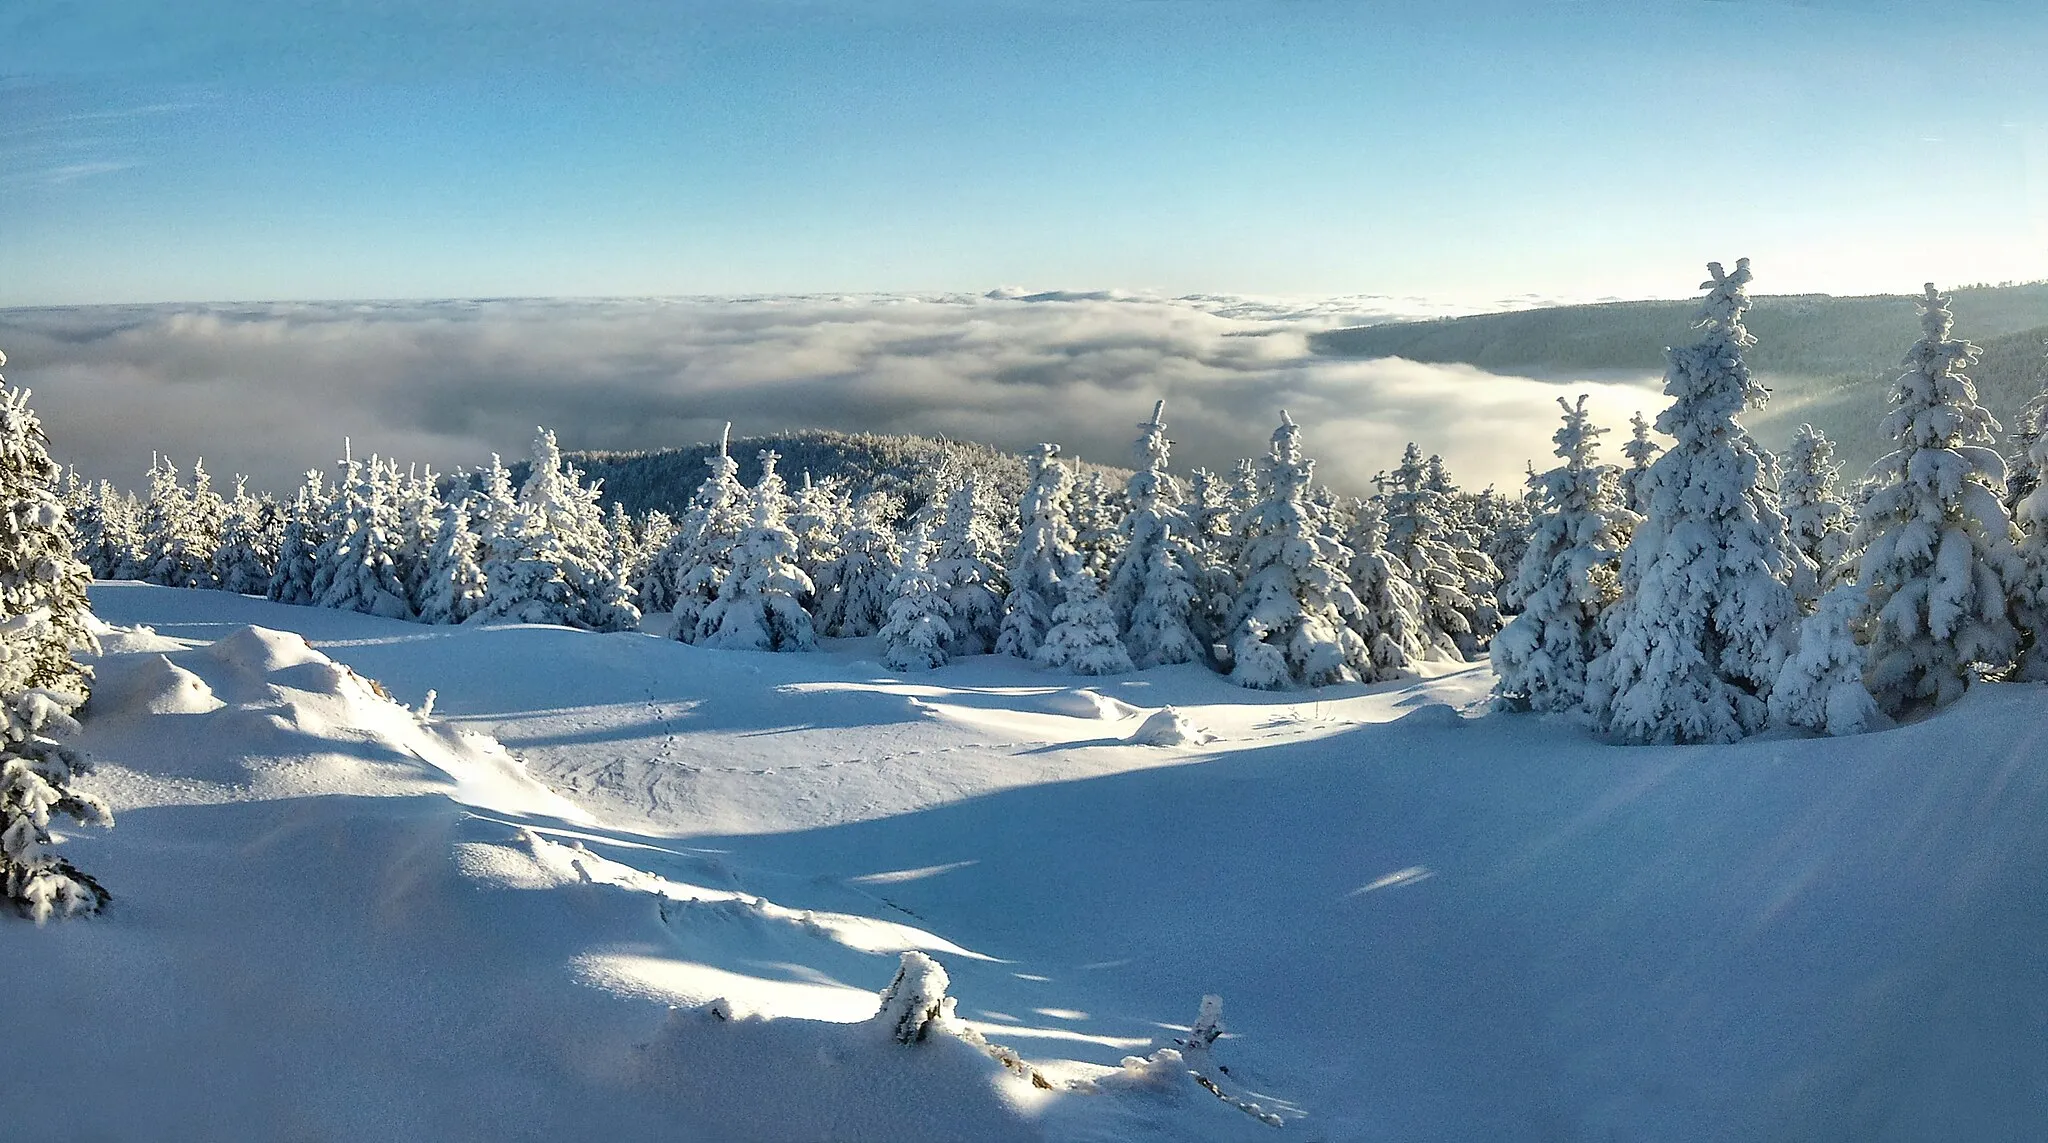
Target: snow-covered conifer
817,518
1641,452
298,545
1216,550
701,553
1567,579
1938,556
1151,588
1044,545
1097,519
917,631
560,505
456,587
247,555
1695,639
1814,513
862,575
1821,686
1389,617
966,564
44,618
2022,470
759,605
1083,638
364,571
1296,597
174,554
1416,523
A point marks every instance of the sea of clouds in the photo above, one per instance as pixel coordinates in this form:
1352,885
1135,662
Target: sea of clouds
272,389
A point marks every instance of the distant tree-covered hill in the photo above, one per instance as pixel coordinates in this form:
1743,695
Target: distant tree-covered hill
910,469
1828,360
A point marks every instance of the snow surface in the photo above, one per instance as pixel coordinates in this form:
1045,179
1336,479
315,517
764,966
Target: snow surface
617,886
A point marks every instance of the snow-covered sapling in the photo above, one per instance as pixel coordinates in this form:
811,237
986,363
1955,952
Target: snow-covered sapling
1083,638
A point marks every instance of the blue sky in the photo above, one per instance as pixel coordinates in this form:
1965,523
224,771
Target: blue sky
208,151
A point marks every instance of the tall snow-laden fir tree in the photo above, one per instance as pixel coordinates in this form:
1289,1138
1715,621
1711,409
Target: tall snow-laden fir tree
965,562
564,508
247,555
1641,452
1568,577
1215,544
917,631
1814,512
44,618
1151,587
173,552
1938,555
1083,638
1389,616
455,584
1821,686
817,518
1293,613
1698,634
2031,595
862,575
1414,518
364,572
298,546
2022,469
1097,536
701,553
1044,545
759,605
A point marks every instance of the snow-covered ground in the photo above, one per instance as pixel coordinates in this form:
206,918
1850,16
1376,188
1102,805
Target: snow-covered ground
338,919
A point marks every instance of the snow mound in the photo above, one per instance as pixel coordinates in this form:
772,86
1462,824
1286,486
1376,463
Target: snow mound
1169,727
1080,702
259,650
150,684
1432,716
121,640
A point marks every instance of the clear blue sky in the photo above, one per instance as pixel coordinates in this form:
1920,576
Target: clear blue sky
209,151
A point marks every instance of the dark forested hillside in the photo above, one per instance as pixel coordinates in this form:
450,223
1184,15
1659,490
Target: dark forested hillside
1828,360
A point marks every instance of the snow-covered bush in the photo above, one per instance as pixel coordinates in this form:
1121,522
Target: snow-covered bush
1938,554
915,1003
1695,639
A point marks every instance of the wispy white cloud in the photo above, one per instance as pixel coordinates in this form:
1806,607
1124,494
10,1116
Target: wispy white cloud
271,389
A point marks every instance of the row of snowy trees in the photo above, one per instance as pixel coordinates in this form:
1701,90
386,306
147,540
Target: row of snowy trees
1268,575
1709,591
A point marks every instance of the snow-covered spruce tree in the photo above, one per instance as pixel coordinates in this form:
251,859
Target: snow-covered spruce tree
173,552
817,518
44,617
759,606
1479,576
701,553
1938,555
559,504
1641,452
2022,470
247,554
2031,596
1151,587
862,574
1414,516
298,545
916,634
1296,599
1097,518
1389,616
1500,524
1083,638
418,510
1567,579
455,586
967,567
1698,634
1216,550
1044,545
1821,686
1814,512
364,575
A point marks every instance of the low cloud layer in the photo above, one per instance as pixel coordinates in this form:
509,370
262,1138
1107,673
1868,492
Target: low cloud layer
270,390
